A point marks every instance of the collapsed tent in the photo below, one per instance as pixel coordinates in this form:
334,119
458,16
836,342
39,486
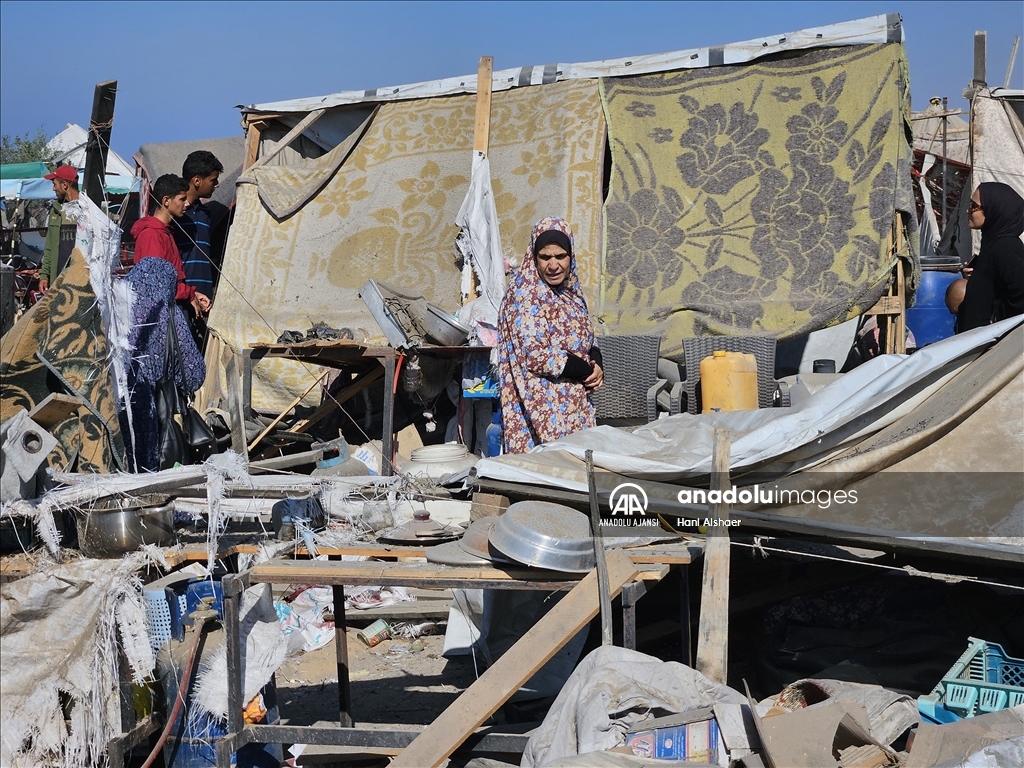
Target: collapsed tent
70,342
930,444
752,188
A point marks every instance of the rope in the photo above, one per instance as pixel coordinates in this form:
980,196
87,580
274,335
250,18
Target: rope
908,570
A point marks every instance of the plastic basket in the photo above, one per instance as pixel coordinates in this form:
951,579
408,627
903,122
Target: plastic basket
161,622
984,679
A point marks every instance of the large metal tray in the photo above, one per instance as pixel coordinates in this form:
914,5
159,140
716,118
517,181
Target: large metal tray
545,535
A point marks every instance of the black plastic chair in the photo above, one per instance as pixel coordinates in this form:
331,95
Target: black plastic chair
631,383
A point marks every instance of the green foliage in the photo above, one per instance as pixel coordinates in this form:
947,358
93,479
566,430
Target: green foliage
26,149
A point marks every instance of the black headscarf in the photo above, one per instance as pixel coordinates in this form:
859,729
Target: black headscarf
995,290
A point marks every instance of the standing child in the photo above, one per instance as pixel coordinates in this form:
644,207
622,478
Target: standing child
153,236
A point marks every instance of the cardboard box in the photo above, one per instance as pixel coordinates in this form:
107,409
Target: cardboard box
692,736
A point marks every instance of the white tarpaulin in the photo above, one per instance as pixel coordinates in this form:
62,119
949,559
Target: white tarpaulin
856,405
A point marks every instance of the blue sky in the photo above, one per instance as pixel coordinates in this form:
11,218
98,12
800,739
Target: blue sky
182,67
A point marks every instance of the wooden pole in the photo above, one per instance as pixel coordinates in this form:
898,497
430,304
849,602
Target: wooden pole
482,128
252,142
289,137
481,133
713,631
285,412
98,143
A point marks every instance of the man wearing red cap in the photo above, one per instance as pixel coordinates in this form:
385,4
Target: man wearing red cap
60,232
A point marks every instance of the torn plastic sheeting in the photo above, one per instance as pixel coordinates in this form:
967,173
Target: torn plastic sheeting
610,691
857,404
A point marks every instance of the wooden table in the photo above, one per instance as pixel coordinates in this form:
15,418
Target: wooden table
348,355
404,573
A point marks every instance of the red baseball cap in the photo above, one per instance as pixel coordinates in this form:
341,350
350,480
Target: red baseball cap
65,172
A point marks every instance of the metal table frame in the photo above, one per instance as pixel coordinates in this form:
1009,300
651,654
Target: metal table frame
336,575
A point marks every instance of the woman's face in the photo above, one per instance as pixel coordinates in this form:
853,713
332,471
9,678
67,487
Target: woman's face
975,214
553,264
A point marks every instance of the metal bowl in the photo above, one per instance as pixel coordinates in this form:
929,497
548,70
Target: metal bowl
112,527
476,541
545,535
447,330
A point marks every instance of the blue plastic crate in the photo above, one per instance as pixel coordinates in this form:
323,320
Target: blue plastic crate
984,679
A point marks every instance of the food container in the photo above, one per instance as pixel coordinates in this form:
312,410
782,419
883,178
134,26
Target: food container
112,527
728,382
373,634
438,462
545,535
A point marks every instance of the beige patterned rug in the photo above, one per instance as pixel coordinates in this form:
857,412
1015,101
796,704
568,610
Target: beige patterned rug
389,213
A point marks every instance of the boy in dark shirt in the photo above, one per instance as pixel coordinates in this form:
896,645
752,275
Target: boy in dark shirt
201,172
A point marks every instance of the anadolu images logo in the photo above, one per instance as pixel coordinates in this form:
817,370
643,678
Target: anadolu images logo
628,499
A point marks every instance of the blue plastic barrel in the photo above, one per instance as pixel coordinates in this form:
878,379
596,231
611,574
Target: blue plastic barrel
928,319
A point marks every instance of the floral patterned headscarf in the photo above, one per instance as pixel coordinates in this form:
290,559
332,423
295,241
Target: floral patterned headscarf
538,327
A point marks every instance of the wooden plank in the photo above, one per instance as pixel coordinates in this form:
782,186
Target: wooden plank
287,410
682,553
236,414
333,401
482,126
713,631
253,129
401,574
487,505
887,305
404,611
54,408
97,144
495,686
289,137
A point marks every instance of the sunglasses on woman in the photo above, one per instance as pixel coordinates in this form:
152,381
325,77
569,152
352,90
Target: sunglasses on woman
974,207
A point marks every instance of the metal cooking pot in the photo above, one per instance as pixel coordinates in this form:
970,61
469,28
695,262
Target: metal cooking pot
113,527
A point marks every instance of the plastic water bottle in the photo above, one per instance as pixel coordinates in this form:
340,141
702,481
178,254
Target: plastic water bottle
494,434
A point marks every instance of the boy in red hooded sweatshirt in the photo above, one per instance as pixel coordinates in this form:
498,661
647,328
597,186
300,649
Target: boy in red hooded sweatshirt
153,236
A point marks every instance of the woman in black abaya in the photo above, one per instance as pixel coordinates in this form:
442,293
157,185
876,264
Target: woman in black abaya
995,289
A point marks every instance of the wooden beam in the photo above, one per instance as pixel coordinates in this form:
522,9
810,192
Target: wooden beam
482,127
289,137
98,143
54,408
253,129
713,632
333,401
496,686
287,410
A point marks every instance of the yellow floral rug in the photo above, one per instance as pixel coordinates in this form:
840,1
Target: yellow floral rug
756,198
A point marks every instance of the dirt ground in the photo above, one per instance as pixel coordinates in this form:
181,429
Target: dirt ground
398,682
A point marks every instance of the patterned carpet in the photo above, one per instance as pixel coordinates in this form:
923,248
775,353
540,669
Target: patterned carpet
755,198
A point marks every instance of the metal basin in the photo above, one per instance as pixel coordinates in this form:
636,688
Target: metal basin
116,526
545,535
444,328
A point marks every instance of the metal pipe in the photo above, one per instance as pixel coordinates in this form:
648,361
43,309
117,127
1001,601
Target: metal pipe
603,591
945,123
179,700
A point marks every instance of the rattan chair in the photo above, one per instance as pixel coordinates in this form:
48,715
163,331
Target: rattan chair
631,383
761,347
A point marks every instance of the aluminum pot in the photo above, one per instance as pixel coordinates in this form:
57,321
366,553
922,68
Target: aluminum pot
112,527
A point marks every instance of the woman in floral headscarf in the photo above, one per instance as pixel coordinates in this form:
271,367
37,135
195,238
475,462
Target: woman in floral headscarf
547,361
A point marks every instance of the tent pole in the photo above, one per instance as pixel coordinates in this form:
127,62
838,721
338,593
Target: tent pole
481,135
